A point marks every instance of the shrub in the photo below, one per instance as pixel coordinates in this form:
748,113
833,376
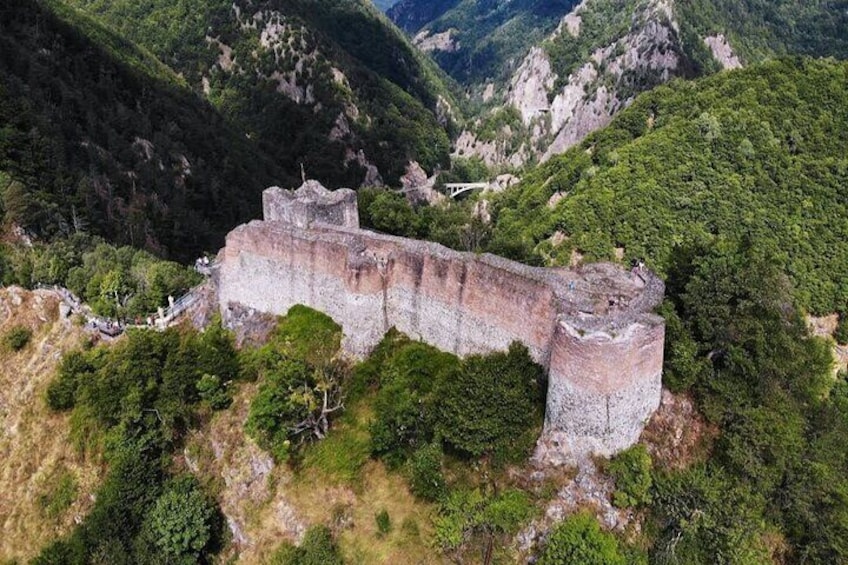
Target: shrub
17,338
426,479
318,548
384,523
459,513
61,392
180,523
507,512
579,541
213,392
841,333
631,470
307,335
492,404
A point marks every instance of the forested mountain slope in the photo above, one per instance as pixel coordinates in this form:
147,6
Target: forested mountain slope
757,154
485,36
542,75
385,4
328,84
97,135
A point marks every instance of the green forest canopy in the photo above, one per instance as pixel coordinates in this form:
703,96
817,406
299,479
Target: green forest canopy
757,153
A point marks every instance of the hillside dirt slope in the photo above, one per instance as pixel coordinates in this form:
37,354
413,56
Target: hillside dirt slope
45,484
336,484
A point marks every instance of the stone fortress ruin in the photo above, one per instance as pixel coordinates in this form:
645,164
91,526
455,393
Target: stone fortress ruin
591,327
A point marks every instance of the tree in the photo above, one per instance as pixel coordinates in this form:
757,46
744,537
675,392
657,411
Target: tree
491,404
293,405
180,523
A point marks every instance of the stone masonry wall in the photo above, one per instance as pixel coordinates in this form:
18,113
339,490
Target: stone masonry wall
591,328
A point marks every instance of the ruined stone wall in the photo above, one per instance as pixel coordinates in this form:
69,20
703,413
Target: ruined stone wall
591,328
370,282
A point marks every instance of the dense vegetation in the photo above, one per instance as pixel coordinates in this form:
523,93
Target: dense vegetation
135,402
300,382
453,224
388,93
98,136
740,346
757,153
491,35
759,29
482,405
117,282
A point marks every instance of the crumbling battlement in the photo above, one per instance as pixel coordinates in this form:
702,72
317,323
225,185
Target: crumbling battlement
591,327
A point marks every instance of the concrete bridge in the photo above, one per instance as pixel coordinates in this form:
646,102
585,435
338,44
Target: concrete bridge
454,189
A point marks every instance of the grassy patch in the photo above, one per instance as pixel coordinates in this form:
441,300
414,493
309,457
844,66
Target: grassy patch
340,457
61,491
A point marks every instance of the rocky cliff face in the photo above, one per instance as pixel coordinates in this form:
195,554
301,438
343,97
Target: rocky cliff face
588,69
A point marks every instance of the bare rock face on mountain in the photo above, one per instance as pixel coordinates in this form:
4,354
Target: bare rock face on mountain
722,51
558,104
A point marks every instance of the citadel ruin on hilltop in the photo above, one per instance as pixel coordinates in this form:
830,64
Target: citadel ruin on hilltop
591,327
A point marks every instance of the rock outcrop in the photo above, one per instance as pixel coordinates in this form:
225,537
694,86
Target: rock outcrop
559,111
591,328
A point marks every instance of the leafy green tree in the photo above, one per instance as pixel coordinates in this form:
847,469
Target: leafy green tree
706,516
404,407
579,541
294,404
390,212
180,523
491,404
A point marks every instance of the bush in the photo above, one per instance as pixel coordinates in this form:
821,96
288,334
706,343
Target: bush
213,392
631,470
384,523
181,522
464,512
841,333
61,392
17,338
491,404
318,548
307,335
426,479
579,541
507,512
458,515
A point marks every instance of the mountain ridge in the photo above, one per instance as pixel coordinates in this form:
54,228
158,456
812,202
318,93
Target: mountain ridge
327,85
